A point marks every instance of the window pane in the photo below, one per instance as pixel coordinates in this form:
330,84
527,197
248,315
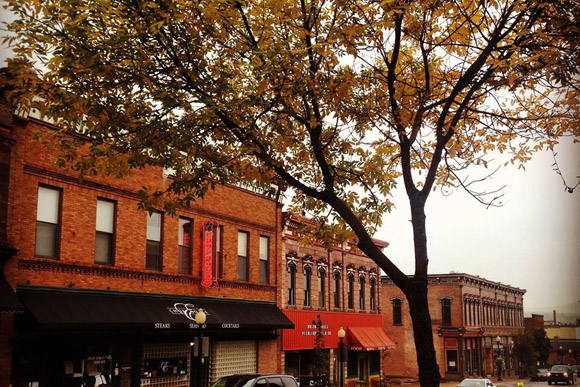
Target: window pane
47,206
154,226
46,234
105,216
184,232
242,244
242,268
264,248
183,264
153,260
103,247
264,272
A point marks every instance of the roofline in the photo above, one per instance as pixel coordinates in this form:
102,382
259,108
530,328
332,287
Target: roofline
469,277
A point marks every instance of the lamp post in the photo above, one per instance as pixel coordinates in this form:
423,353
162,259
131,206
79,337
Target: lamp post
561,354
570,356
200,318
341,334
498,360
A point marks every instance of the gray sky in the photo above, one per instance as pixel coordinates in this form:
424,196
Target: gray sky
532,242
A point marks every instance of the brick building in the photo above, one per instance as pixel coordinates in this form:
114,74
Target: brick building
107,291
324,289
468,313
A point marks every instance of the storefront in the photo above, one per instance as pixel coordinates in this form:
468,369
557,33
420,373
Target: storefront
365,340
72,337
463,352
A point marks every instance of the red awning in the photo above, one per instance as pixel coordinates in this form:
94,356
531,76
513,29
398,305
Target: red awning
368,339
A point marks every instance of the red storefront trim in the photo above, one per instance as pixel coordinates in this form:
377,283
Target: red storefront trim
304,333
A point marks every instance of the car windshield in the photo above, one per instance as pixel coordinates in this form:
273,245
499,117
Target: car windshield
559,368
234,381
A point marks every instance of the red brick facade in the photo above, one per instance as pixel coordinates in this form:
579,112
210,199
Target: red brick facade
235,209
341,262
465,335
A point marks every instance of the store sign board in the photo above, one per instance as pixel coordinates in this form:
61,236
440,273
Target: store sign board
164,366
209,262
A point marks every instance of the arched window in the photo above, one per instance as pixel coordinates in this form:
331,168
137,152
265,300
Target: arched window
351,291
397,313
321,288
307,285
337,289
373,294
361,292
446,311
292,284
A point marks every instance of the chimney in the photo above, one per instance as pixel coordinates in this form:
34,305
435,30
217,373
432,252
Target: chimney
555,320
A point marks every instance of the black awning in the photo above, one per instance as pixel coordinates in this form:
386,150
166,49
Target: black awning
9,301
59,308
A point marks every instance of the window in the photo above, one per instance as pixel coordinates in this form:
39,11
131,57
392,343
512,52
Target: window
361,294
218,250
105,232
264,255
350,291
47,222
307,285
397,314
243,274
184,245
291,285
321,289
446,311
373,294
153,259
452,365
336,289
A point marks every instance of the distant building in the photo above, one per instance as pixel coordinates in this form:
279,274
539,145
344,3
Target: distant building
468,313
565,341
533,323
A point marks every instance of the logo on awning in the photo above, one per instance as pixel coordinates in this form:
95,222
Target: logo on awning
188,310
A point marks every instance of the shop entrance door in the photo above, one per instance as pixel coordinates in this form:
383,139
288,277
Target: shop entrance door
363,369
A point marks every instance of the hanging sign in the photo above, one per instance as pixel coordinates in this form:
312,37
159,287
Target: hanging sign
209,257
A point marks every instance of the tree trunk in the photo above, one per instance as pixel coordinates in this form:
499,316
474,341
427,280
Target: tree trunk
416,292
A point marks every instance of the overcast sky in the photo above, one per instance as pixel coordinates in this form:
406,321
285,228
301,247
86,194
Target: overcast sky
532,242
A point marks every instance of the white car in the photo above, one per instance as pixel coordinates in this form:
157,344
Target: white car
476,383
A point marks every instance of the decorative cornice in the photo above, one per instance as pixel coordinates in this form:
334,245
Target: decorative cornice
337,267
350,269
59,267
292,259
322,264
307,262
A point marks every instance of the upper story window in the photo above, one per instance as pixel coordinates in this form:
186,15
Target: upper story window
307,285
243,261
350,291
321,288
105,232
264,259
397,311
47,222
154,226
446,311
292,284
336,289
184,245
373,292
361,294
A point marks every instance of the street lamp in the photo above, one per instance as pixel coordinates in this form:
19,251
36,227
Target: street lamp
561,354
498,360
341,334
570,356
199,318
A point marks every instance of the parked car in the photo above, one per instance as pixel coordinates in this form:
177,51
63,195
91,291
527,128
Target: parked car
539,374
256,380
560,373
476,383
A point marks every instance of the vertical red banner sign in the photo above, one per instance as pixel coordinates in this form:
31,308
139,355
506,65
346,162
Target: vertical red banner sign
209,258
